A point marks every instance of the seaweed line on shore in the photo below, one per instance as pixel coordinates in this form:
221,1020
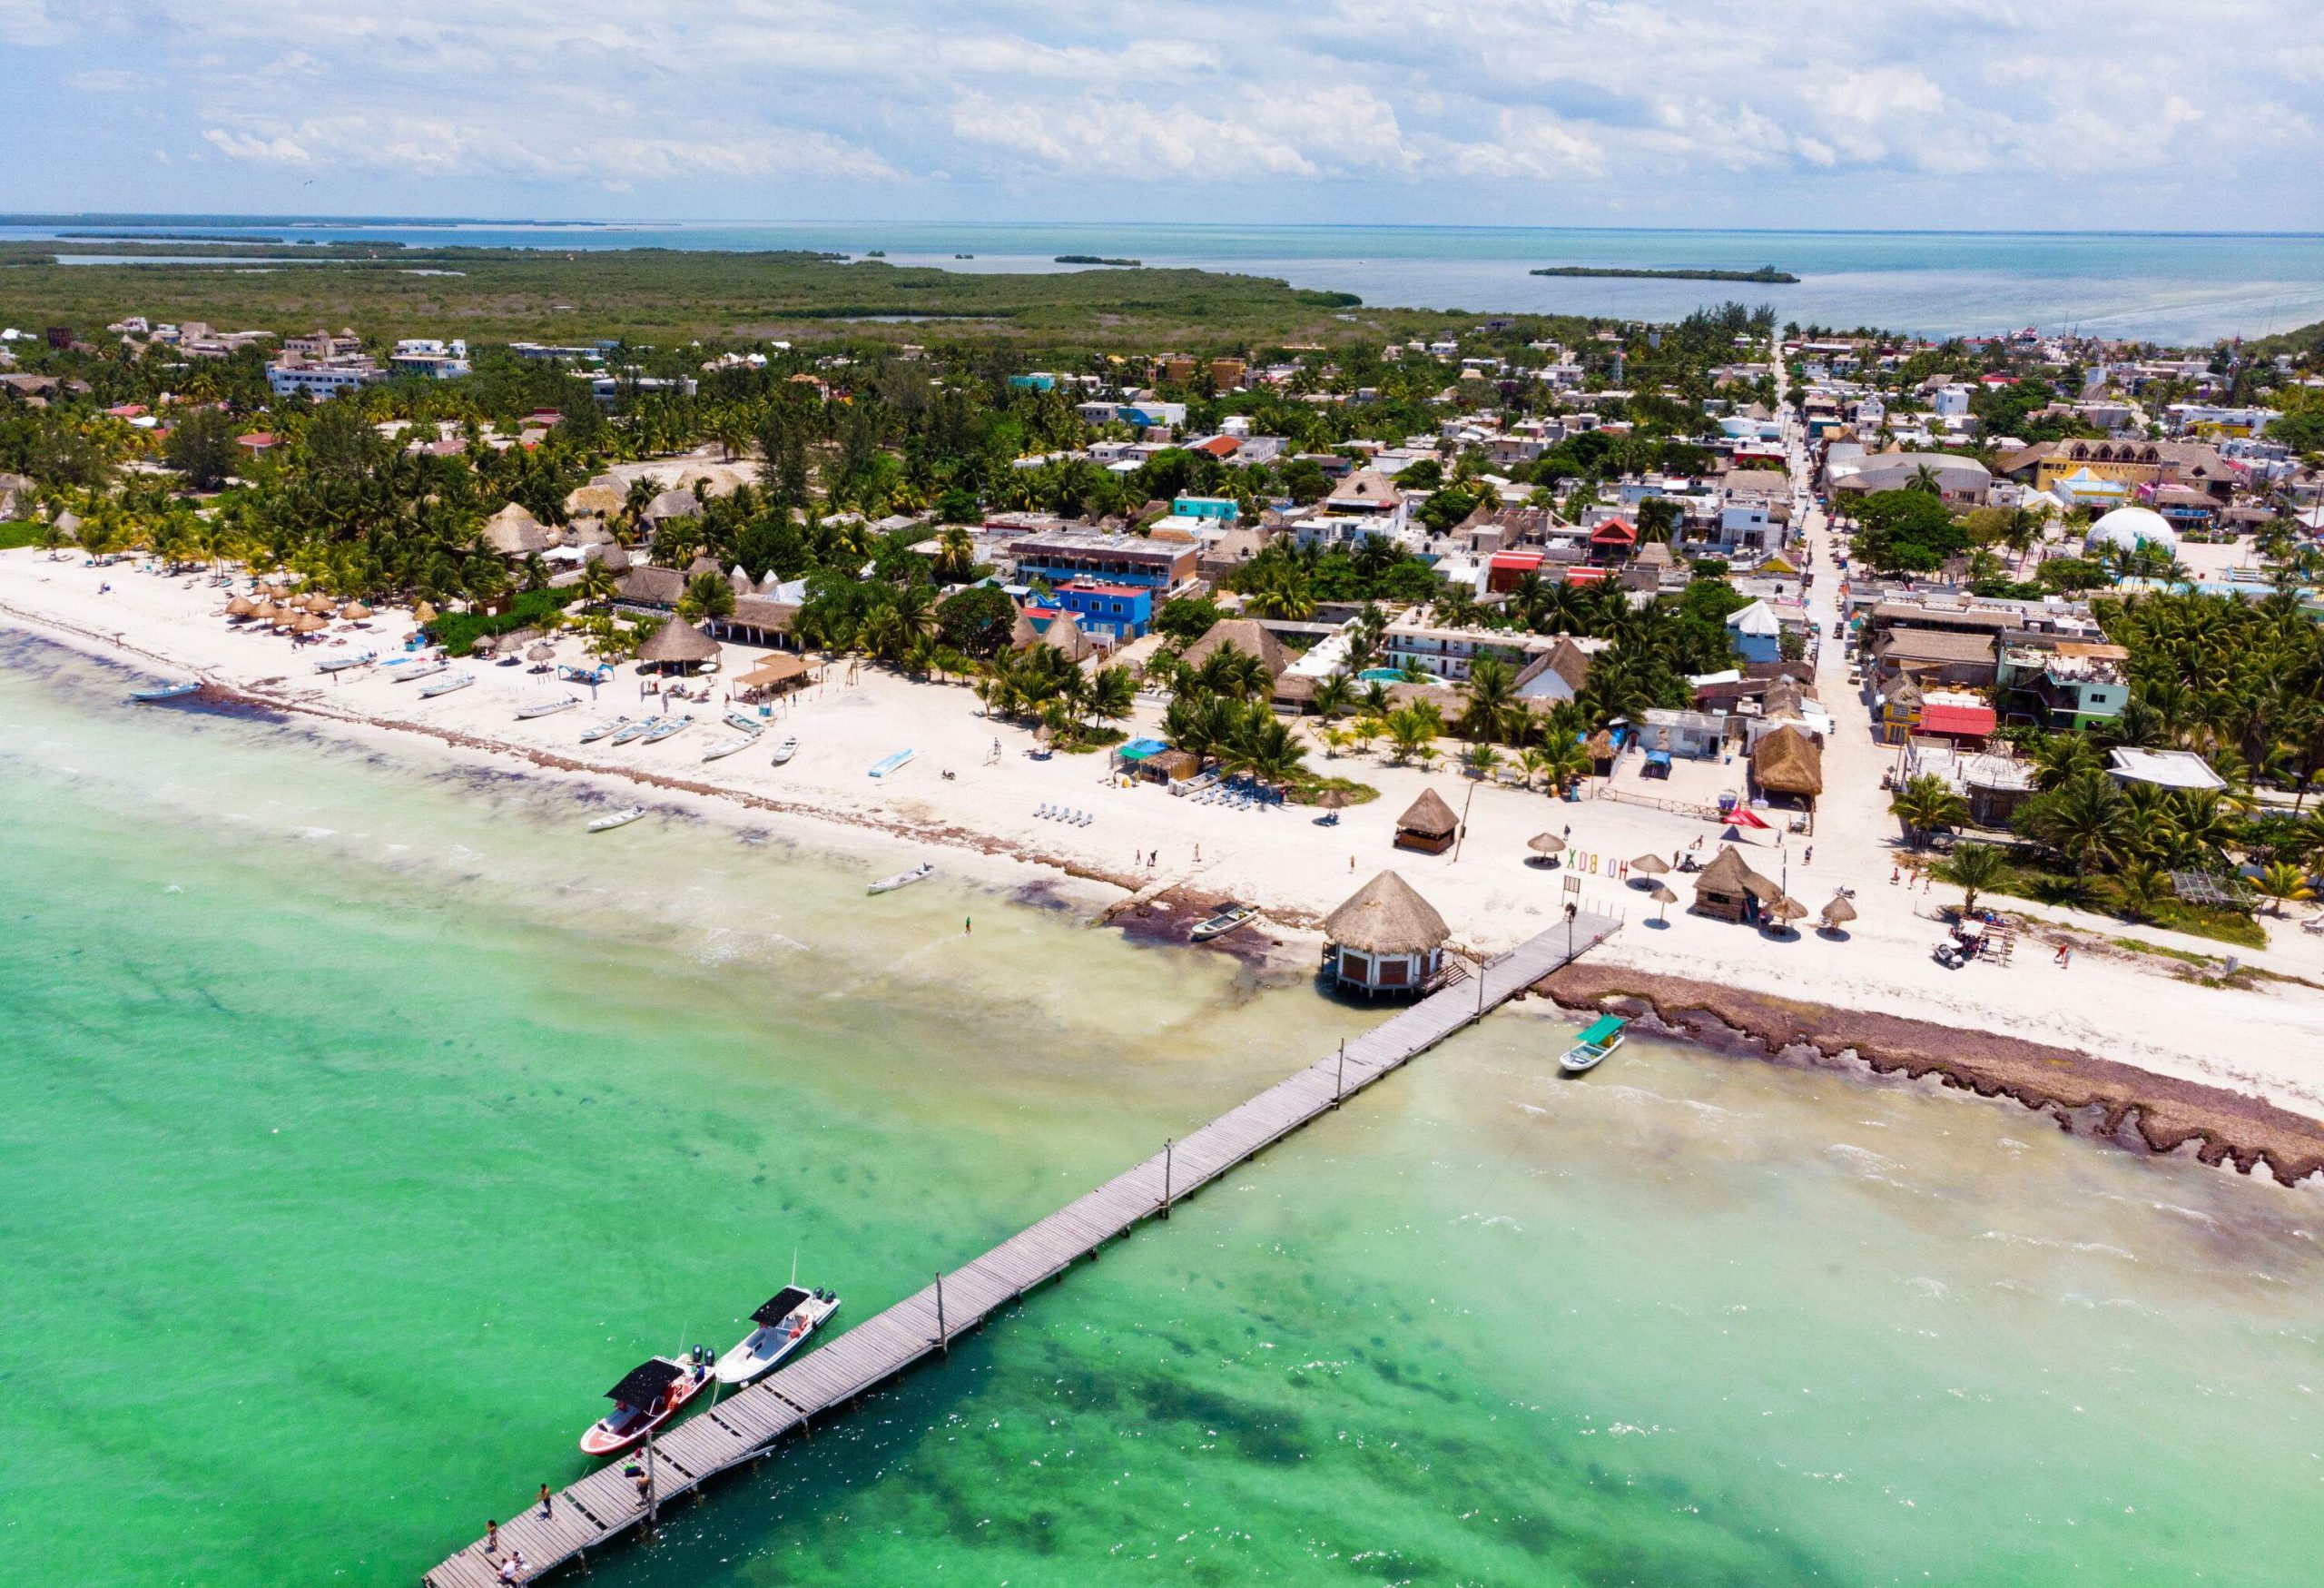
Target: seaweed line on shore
2119,1102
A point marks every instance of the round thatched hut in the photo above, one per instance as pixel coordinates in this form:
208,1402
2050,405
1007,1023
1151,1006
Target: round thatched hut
1730,890
1385,938
677,647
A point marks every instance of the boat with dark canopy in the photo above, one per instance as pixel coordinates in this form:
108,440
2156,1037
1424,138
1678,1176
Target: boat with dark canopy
789,1316
648,1396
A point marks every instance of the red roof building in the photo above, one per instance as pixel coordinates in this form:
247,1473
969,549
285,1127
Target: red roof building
1956,721
1507,568
1613,541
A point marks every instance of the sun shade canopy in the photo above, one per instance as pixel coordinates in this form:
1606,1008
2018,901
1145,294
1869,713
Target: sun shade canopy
781,1304
644,1383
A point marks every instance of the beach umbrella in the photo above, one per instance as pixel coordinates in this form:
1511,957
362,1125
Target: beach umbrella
1664,897
1787,910
423,613
1334,799
312,623
1653,865
318,603
543,651
355,611
1837,913
240,607
1546,843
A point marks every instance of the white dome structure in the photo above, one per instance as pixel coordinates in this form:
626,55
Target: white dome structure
2129,527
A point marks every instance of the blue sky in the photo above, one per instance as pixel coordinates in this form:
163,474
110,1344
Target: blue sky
1955,113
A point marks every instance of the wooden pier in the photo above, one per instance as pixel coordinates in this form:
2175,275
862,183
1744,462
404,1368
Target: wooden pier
747,1424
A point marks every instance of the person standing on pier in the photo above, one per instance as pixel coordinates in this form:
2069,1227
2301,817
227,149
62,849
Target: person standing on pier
547,1505
492,1538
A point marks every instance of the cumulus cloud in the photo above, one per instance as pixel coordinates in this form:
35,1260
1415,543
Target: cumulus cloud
1612,97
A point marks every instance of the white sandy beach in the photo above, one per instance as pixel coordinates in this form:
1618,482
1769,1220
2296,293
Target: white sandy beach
982,825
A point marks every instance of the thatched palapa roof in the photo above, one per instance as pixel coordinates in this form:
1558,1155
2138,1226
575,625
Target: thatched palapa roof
678,641
1429,816
1064,637
514,532
1246,635
1788,762
1385,916
1730,877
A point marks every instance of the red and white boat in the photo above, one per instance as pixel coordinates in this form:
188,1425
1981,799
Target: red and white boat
648,1396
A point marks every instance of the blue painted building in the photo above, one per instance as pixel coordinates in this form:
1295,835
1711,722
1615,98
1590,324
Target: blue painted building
1121,612
1223,508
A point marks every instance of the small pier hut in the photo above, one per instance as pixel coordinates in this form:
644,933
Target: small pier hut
1385,938
1429,826
1730,890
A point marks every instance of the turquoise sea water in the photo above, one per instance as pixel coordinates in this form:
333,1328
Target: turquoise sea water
364,1122
2170,287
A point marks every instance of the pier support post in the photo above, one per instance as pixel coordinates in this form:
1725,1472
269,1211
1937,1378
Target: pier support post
943,1338
652,1510
1166,1148
1339,1078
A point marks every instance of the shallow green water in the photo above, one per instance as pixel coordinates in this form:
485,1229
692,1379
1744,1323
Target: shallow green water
365,1122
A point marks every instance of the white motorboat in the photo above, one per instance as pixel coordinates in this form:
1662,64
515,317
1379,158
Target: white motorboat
549,708
919,873
457,681
744,722
668,726
341,664
636,730
426,668
598,731
1603,1037
786,750
1231,917
621,818
165,692
728,746
790,1316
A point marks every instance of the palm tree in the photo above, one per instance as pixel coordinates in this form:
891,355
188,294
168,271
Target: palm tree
1481,759
596,584
1408,731
2059,756
1334,696
2084,820
707,595
1927,806
1492,700
1977,868
2281,881
1925,478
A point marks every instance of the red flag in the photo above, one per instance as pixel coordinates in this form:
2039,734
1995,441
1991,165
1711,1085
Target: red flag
1742,816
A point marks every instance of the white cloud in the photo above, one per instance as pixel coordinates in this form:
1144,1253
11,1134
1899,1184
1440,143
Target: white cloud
1620,99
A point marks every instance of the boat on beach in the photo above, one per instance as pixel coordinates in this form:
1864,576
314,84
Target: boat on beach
744,722
165,692
426,668
549,708
786,1320
457,681
787,749
341,664
667,726
636,730
648,1396
725,747
1231,917
621,818
596,731
919,873
1592,1048
889,763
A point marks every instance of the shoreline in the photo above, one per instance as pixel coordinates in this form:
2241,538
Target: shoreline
2083,1094
2227,1068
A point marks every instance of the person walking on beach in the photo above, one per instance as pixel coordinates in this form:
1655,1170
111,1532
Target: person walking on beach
2065,955
967,924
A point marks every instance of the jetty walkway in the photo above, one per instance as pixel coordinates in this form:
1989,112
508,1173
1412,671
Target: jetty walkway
745,1425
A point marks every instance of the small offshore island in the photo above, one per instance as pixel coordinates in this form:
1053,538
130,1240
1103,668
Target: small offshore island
1766,275
1094,259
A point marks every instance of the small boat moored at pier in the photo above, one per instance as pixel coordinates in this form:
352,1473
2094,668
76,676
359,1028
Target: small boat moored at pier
341,664
648,1396
1604,1035
786,1320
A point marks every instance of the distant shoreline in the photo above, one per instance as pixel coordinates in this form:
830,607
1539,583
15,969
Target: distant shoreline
1766,275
